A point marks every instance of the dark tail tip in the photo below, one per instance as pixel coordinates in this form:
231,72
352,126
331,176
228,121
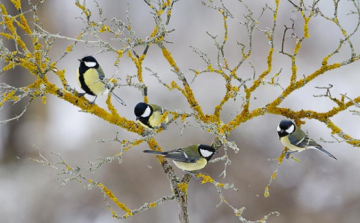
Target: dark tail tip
326,152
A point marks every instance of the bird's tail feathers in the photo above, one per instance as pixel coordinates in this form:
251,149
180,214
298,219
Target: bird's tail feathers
155,152
324,151
118,98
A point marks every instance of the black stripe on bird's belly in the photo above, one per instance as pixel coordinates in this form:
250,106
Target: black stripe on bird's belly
145,121
82,82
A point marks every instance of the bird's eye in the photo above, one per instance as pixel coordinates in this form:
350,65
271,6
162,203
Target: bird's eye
90,64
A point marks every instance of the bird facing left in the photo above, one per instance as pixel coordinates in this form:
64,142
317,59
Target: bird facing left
91,79
296,140
191,158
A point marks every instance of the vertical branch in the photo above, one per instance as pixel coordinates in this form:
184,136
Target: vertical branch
178,187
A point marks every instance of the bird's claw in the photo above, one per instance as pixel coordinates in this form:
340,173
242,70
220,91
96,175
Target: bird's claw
163,125
193,174
80,94
287,155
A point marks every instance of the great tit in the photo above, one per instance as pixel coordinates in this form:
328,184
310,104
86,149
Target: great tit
191,158
91,79
295,139
149,115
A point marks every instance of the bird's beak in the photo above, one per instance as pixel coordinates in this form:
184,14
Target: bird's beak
137,118
216,151
80,60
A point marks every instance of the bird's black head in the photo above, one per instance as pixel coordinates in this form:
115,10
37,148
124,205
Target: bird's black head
285,128
143,111
206,151
88,62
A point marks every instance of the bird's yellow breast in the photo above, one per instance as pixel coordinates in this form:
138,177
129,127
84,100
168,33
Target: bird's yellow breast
201,163
93,81
155,119
286,142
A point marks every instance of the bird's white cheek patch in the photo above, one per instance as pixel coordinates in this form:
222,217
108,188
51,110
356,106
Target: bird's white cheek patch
290,129
278,128
205,153
146,112
90,64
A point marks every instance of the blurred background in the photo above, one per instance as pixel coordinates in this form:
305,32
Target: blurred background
319,189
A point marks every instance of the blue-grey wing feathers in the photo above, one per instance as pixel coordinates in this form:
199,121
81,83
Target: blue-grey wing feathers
100,73
308,143
177,155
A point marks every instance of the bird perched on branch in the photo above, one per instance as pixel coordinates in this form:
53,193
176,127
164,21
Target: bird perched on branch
149,115
191,158
91,79
295,139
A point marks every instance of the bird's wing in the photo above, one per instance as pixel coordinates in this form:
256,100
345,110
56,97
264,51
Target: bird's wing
179,155
101,73
304,142
157,108
298,142
307,143
311,144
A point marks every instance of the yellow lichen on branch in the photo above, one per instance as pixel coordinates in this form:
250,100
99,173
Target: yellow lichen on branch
8,20
154,31
17,4
187,91
6,35
169,58
152,205
302,82
263,75
25,25
206,178
85,105
306,23
138,65
183,187
244,115
338,131
155,146
110,106
60,74
86,11
266,193
7,96
193,103
104,28
21,43
277,2
293,62
110,195
164,116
